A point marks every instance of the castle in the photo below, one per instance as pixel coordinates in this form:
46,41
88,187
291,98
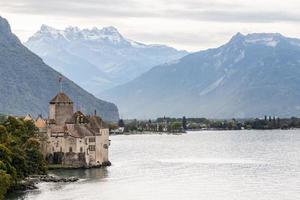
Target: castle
73,139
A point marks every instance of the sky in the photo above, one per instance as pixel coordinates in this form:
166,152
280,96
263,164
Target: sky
184,24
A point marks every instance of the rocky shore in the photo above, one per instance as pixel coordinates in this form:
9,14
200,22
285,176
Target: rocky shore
30,182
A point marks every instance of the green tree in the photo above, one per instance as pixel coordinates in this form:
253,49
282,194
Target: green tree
6,161
184,123
5,183
121,123
19,162
176,126
36,163
3,135
20,153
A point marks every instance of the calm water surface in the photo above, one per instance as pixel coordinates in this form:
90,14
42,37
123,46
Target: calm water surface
210,165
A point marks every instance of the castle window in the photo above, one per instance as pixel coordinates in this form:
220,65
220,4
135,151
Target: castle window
81,150
92,147
92,139
70,149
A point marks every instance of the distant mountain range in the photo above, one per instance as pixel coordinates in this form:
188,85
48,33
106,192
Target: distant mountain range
27,84
97,59
250,76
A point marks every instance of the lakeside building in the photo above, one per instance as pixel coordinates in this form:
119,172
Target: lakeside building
71,138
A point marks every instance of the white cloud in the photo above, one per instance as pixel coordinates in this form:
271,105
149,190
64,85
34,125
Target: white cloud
185,24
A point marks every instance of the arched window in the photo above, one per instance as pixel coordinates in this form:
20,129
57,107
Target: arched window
70,149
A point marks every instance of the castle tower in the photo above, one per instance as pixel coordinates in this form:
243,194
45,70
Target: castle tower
60,108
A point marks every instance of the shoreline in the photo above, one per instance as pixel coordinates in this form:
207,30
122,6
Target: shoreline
150,133
196,130
30,182
67,167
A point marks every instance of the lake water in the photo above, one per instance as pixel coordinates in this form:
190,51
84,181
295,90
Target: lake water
210,165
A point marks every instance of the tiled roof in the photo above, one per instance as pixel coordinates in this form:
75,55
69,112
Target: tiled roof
61,98
97,123
28,118
77,116
58,129
40,122
79,130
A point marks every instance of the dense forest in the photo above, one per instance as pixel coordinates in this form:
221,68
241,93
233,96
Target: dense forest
20,154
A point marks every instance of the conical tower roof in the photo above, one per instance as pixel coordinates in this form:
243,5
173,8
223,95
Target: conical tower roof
61,98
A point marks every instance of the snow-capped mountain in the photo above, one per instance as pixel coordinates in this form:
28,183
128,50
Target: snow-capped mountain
27,83
250,76
97,59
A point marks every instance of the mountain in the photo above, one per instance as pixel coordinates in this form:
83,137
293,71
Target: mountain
27,84
250,76
97,59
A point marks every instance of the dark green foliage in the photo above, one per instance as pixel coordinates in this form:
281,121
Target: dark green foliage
3,134
19,162
5,182
20,153
34,157
121,123
2,118
184,125
5,157
176,126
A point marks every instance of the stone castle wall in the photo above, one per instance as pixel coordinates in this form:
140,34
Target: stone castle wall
61,112
68,159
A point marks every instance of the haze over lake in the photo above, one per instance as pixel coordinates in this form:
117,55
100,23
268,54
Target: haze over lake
218,165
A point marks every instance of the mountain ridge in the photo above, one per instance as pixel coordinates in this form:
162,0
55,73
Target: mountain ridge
27,84
113,58
246,77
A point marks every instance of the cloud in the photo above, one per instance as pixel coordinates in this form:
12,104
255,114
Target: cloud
185,38
191,24
214,11
234,16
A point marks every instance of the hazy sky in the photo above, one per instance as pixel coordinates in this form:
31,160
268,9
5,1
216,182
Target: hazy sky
183,24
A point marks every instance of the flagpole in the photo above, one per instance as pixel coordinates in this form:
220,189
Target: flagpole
60,83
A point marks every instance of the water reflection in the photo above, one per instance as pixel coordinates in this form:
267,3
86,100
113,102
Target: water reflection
91,174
